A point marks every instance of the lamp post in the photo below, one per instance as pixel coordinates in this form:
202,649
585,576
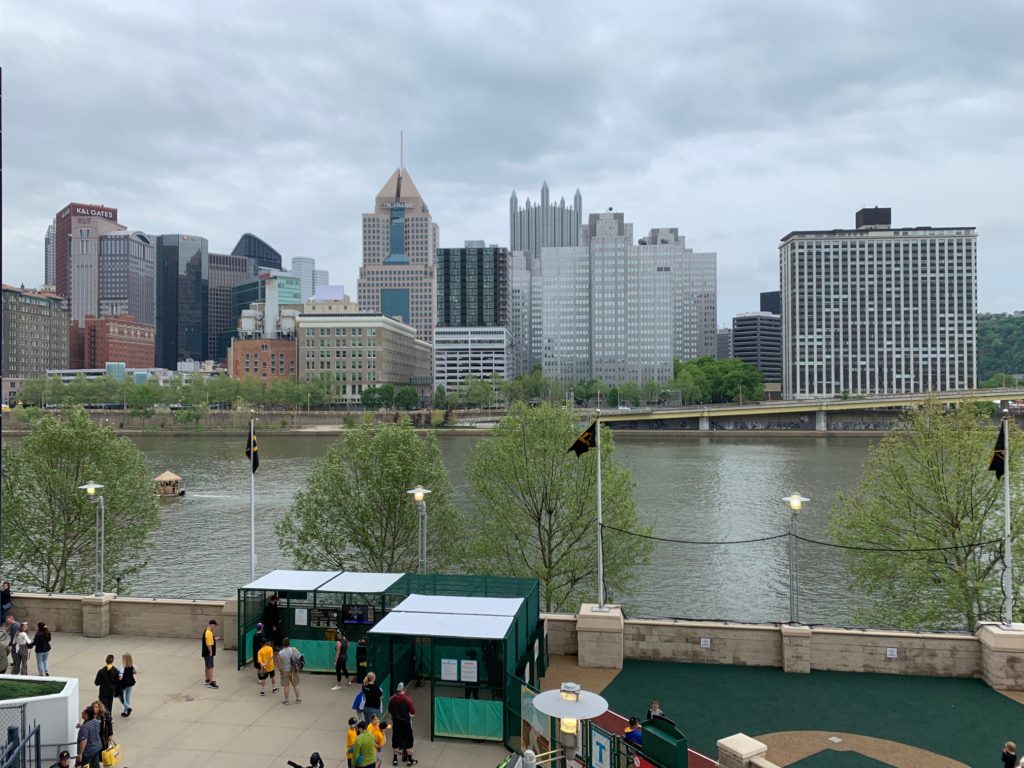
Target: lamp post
795,501
419,495
90,489
569,704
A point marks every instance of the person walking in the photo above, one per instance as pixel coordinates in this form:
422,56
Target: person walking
341,660
372,697
350,739
41,643
266,660
377,728
107,682
364,749
401,709
89,742
5,601
126,675
20,649
101,713
288,658
208,649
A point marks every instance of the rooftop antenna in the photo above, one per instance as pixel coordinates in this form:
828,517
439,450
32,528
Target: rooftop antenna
401,163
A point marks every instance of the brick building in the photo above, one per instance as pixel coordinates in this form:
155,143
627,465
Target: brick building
118,339
264,359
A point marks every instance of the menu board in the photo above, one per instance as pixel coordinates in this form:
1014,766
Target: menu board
323,617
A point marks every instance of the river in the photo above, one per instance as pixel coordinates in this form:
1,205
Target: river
693,488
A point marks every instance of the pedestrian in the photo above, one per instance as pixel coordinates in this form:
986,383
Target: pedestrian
5,601
361,663
372,697
20,649
377,728
257,642
89,742
1009,755
104,715
266,660
41,642
126,676
273,626
341,660
364,749
13,625
208,648
350,739
63,760
401,709
288,658
633,733
655,709
107,682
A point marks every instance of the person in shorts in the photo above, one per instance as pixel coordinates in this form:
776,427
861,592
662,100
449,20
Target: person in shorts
209,651
401,709
288,661
266,660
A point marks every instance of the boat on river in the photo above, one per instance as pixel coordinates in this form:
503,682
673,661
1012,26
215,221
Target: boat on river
168,485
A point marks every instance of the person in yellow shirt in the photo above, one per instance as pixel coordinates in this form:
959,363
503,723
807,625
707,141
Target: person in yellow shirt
266,659
351,740
377,729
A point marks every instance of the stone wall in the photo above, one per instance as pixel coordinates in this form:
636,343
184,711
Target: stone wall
703,642
916,653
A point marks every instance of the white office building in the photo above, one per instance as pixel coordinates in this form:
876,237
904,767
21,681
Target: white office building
480,352
878,310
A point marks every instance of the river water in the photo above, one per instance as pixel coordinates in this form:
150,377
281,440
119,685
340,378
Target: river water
692,488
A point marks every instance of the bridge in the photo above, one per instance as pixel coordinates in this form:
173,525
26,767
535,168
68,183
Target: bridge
819,408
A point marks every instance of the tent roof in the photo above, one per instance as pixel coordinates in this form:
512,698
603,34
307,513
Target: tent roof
299,581
465,606
352,582
166,477
443,625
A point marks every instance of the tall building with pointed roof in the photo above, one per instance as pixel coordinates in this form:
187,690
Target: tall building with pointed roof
398,276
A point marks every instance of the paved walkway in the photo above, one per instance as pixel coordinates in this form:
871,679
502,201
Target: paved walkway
177,721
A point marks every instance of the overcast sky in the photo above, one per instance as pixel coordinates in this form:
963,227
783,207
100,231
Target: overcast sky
736,122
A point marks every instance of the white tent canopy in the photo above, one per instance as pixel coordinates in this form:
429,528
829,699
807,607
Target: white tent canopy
478,606
298,581
366,583
478,618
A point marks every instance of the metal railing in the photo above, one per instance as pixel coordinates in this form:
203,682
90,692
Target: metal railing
21,747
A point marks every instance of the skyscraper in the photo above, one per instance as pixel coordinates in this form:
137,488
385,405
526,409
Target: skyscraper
771,301
226,272
255,248
618,311
127,276
876,310
757,339
472,285
531,228
50,254
73,224
182,299
398,277
303,268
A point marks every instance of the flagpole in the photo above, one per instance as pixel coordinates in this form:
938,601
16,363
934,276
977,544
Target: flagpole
600,519
1008,571
252,498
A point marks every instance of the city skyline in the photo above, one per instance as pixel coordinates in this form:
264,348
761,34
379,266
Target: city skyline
718,124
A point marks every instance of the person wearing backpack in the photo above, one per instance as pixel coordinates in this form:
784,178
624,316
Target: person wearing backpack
290,661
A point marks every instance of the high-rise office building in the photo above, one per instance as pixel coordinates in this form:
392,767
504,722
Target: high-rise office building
757,339
182,299
226,272
532,227
255,248
35,333
75,227
398,277
771,301
723,349
321,279
618,311
460,352
472,285
127,276
876,310
303,268
50,254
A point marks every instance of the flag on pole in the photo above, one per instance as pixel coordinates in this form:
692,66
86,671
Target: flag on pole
585,441
998,463
252,451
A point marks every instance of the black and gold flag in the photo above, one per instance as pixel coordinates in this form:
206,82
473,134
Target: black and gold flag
998,463
586,441
252,450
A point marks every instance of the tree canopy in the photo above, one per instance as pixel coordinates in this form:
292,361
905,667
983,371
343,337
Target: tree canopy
707,380
1000,345
49,526
536,508
927,487
355,514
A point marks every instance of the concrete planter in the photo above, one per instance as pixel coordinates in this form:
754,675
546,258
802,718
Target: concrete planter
55,713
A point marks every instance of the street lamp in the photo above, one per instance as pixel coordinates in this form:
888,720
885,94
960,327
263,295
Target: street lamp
795,501
90,489
419,495
569,704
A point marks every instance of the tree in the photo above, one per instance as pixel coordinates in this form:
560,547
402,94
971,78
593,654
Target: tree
407,398
536,508
476,392
629,392
927,486
1000,345
440,397
718,381
355,513
49,525
371,397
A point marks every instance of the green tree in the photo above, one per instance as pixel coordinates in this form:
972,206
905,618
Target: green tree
141,399
387,395
49,526
476,392
629,393
371,397
407,398
652,392
718,381
1000,344
440,397
355,513
927,486
536,508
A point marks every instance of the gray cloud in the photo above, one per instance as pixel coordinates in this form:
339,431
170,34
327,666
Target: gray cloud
735,121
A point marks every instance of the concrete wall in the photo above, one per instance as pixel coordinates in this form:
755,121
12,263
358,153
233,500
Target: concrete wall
936,655
758,645
56,713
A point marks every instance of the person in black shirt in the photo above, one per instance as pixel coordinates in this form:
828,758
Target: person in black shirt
273,625
41,642
5,601
372,697
107,679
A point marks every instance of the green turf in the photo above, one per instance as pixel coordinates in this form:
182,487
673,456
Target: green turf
831,758
16,689
962,719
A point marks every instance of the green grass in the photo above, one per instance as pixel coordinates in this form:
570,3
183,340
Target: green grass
958,718
831,758
17,689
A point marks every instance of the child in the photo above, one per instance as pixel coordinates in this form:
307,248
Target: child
351,739
1009,755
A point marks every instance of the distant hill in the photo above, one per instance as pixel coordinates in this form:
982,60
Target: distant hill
1000,344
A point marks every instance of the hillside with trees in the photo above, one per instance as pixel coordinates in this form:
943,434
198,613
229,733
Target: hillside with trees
1000,346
